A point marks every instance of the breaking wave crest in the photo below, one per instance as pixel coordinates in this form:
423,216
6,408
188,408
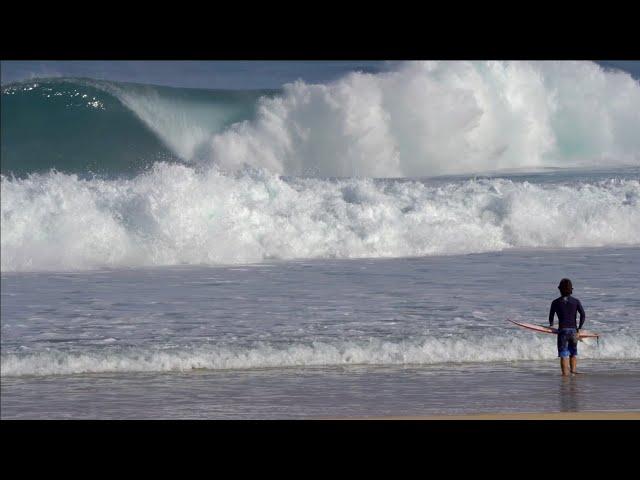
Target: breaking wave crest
432,118
373,352
224,177
420,119
174,214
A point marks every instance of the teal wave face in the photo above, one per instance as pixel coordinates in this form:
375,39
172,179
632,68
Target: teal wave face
89,127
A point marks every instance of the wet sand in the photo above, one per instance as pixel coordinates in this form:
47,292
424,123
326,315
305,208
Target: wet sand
623,415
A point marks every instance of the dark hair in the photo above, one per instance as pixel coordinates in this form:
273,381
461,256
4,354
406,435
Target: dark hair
566,288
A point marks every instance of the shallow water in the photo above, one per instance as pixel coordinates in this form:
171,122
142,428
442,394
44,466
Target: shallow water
322,338
317,393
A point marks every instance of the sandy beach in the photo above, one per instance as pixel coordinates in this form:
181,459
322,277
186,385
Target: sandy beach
521,416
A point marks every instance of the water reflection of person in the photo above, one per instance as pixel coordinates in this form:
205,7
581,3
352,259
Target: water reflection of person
569,394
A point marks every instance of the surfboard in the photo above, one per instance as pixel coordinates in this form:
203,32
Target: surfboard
543,329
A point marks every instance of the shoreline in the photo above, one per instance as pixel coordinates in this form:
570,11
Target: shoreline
596,415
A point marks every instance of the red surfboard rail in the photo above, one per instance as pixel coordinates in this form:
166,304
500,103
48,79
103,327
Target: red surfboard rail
543,329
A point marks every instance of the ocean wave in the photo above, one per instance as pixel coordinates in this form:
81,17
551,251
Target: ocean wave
373,351
421,119
432,118
83,126
174,214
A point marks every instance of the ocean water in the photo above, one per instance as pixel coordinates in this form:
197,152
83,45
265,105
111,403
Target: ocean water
318,338
348,249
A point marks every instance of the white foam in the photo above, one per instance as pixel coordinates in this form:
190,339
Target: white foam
374,351
421,119
174,215
429,118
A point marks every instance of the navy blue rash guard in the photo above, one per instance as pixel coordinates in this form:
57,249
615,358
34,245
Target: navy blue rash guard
566,308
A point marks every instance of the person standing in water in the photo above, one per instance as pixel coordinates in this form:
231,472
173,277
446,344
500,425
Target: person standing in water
567,308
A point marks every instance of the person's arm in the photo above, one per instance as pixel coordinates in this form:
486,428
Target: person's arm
582,314
552,312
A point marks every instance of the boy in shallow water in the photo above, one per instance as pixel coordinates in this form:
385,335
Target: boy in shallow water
567,308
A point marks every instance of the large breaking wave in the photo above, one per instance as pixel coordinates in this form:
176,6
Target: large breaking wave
174,214
421,119
205,177
111,129
429,118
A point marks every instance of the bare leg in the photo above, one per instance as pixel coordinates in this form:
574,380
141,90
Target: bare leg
574,364
564,365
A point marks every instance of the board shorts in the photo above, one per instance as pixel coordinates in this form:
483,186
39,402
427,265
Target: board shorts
567,342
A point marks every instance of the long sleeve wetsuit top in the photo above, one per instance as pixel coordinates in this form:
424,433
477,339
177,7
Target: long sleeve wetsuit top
566,308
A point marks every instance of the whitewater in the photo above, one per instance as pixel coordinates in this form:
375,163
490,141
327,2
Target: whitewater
173,215
419,119
346,248
307,172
